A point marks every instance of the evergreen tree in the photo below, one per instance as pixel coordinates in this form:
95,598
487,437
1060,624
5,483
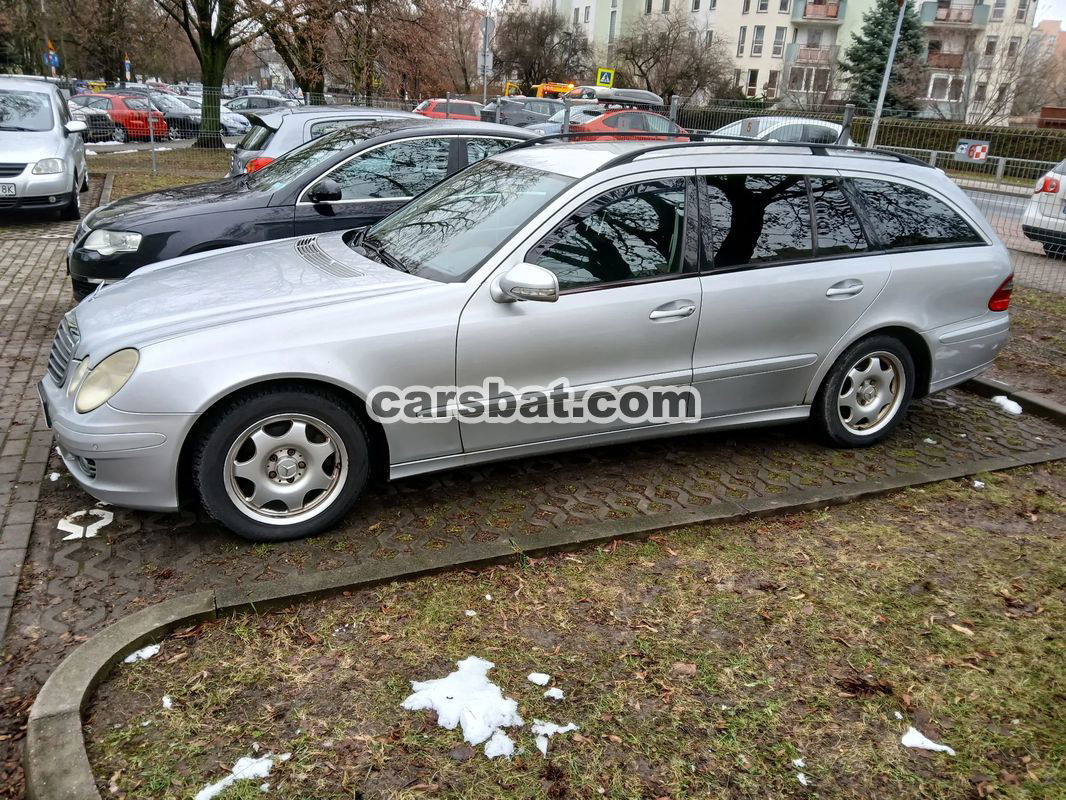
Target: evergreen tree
864,61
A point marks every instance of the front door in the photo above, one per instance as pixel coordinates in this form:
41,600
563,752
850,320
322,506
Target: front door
377,181
627,312
778,293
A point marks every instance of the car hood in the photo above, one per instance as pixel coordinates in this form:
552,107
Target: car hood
226,286
182,201
22,146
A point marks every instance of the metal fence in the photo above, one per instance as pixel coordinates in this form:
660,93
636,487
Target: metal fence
1001,184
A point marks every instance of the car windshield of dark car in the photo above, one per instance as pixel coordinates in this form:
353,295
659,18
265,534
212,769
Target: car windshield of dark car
447,232
282,171
25,111
165,103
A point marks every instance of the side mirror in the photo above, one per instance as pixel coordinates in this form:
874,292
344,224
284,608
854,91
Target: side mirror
75,126
326,190
525,282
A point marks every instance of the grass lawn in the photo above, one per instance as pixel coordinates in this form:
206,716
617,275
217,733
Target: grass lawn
176,167
699,663
1035,357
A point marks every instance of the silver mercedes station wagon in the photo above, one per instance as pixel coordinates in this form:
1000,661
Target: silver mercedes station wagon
774,282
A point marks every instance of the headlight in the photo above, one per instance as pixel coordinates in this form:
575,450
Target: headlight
101,384
48,166
108,243
79,375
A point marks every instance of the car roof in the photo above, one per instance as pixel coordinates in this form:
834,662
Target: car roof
25,83
452,100
272,118
773,119
580,159
421,126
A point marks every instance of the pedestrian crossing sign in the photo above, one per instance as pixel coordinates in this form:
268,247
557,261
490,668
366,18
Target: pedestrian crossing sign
604,76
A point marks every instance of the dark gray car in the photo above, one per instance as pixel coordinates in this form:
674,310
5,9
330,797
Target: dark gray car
276,132
521,111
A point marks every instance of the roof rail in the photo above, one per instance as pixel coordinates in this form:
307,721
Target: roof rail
704,139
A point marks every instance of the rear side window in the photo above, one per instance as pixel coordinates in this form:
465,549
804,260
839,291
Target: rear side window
329,125
908,217
757,219
837,227
257,138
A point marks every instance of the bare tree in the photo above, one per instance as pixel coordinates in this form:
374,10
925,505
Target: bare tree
215,28
667,54
299,31
537,46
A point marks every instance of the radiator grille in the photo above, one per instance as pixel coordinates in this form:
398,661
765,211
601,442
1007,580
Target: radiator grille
62,349
11,170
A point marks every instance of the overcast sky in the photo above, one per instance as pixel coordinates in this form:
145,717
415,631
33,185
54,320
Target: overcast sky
1051,9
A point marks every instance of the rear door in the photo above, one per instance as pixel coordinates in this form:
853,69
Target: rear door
376,181
778,291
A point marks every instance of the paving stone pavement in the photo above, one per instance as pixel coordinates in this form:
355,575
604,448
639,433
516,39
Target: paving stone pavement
70,589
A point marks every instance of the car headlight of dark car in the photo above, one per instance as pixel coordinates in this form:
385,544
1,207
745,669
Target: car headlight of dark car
107,243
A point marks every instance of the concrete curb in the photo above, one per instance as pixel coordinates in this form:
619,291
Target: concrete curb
105,193
1030,402
56,762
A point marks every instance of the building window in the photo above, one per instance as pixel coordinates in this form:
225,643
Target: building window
747,7
576,12
740,40
808,79
1001,94
779,42
714,4
771,84
1014,46
757,34
1022,12
588,13
998,10
783,7
647,6
763,7
990,46
945,87
666,6
695,5
736,77
980,94
613,23
753,83
710,38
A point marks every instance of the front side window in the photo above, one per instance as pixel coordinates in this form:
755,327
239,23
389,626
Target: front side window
136,104
820,134
909,217
239,104
396,170
757,219
837,228
632,233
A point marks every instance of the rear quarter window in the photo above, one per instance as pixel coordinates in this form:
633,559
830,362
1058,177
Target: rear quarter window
905,216
329,125
257,138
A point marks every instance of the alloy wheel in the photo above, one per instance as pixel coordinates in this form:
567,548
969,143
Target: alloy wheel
871,393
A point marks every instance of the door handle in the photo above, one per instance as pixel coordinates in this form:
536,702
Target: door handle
671,310
848,288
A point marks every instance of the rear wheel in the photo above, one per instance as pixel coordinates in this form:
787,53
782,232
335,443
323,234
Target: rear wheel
121,135
282,463
866,393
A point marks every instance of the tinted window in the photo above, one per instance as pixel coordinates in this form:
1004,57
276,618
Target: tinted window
256,138
25,111
757,219
838,229
659,124
239,104
477,149
820,134
402,169
328,126
627,234
136,104
908,217
787,133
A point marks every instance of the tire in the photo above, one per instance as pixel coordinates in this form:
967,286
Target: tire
72,209
85,181
866,393
266,442
121,135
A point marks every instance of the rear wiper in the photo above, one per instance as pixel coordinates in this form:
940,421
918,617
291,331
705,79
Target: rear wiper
379,253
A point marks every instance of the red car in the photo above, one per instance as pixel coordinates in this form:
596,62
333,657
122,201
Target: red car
628,121
130,115
440,108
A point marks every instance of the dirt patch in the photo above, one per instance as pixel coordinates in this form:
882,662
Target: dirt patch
696,664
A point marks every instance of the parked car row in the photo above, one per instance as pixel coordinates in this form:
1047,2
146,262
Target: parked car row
236,329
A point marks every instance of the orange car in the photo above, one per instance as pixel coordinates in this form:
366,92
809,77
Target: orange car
628,121
129,113
440,108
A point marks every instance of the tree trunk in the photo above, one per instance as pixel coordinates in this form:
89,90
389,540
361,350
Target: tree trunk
213,58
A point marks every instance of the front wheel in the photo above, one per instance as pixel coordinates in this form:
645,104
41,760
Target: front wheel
866,393
72,209
282,463
120,134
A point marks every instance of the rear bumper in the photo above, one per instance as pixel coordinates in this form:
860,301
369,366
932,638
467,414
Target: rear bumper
964,350
1044,235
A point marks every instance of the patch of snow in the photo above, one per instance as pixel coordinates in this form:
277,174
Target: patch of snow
245,769
90,152
264,787
913,738
468,699
928,440
488,597
143,654
555,693
801,778
168,702
898,715
979,484
499,745
799,763
146,723
543,731
54,476
539,678
1007,405
163,149
230,145
470,612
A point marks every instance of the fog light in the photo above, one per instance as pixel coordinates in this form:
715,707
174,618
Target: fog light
86,465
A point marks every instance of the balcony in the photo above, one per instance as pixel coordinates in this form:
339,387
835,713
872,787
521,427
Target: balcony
815,55
954,15
826,12
948,61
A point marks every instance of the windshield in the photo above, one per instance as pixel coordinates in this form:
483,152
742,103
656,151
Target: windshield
577,115
193,103
163,102
446,233
25,111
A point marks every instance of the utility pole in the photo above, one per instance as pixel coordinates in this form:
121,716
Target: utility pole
871,139
487,26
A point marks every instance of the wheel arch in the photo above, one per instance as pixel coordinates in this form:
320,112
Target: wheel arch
910,338
378,441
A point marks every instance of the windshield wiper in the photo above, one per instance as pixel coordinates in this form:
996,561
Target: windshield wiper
14,128
379,254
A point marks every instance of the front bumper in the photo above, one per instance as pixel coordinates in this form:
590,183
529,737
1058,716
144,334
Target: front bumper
122,458
34,192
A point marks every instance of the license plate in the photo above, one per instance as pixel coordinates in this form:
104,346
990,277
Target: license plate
7,190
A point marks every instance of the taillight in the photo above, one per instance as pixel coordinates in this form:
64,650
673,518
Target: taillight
1001,298
257,164
1047,184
